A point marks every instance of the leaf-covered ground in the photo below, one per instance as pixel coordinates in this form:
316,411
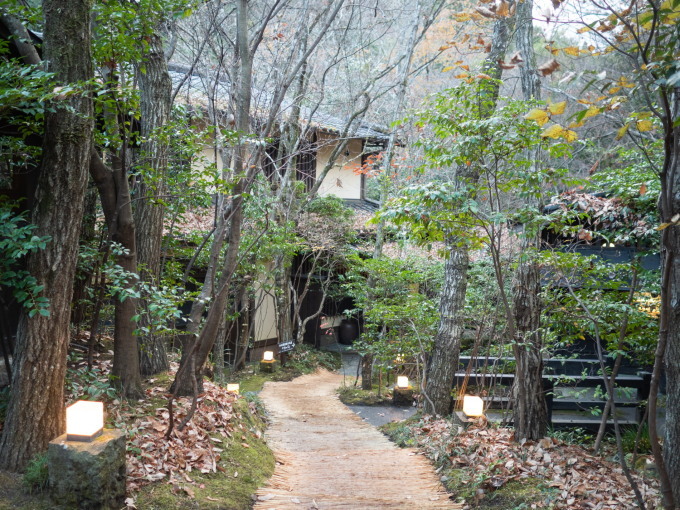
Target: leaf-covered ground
217,461
485,468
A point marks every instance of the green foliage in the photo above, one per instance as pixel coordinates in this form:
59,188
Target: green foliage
36,475
161,303
87,384
330,207
602,287
123,28
482,299
629,437
575,435
399,303
16,241
478,154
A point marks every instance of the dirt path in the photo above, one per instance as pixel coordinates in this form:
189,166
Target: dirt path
329,458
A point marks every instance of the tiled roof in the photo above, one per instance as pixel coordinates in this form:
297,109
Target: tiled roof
195,88
362,205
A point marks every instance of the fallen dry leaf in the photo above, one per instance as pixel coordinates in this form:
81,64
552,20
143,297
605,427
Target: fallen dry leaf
548,67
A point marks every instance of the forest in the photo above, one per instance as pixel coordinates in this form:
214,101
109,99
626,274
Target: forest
464,191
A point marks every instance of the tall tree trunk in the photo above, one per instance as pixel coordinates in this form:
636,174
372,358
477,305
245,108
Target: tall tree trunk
282,280
444,361
670,304
35,414
114,194
126,355
155,88
530,414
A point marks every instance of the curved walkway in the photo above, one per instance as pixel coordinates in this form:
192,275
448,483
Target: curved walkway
328,458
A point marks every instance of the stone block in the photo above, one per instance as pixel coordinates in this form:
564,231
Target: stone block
267,367
402,396
90,475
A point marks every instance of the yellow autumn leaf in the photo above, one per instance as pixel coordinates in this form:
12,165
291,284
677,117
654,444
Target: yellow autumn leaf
554,131
644,125
576,124
462,17
625,82
570,136
553,50
614,90
557,108
540,116
572,51
461,76
583,30
622,131
448,68
591,112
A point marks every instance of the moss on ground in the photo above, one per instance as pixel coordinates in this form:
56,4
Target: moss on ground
241,471
358,397
399,431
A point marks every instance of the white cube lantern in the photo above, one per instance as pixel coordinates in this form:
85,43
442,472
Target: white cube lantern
268,356
473,406
233,388
402,381
84,420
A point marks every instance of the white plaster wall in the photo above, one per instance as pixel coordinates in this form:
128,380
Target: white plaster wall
341,181
265,317
203,159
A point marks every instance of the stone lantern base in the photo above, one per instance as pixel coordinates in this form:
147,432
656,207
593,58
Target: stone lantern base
267,366
88,475
402,396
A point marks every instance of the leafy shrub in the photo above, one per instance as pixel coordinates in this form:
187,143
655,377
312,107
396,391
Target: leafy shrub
88,384
629,435
305,359
16,241
574,435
